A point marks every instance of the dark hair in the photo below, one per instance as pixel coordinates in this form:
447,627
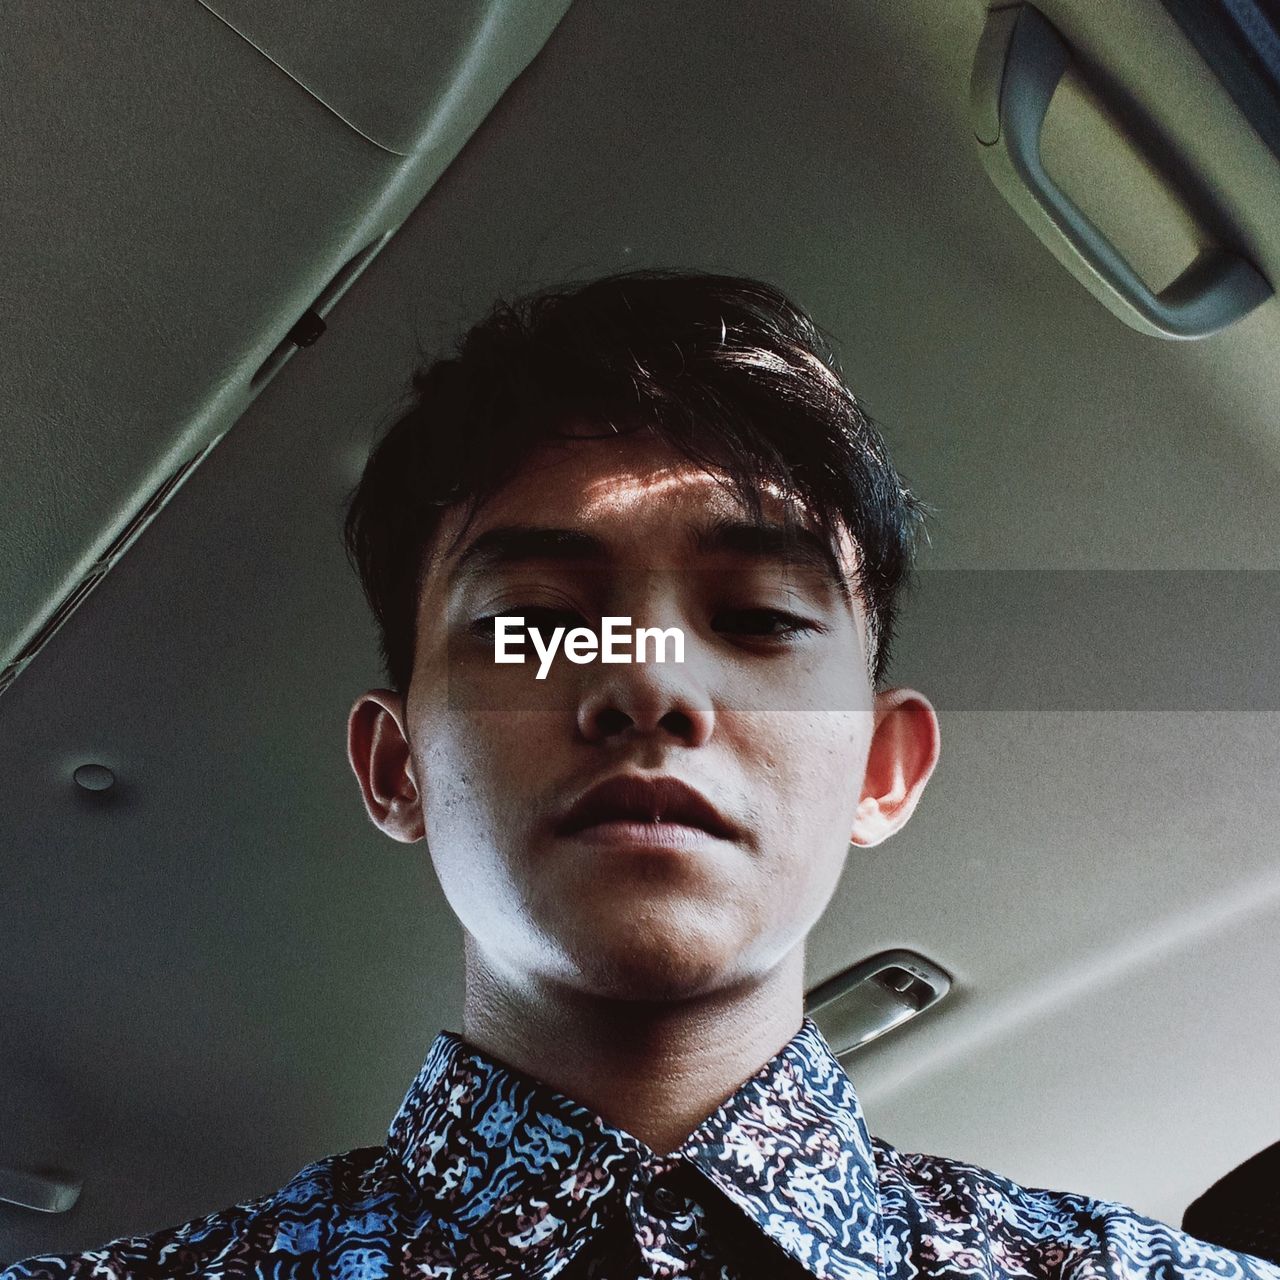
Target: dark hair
724,369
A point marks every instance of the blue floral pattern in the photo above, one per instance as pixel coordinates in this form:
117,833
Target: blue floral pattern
489,1174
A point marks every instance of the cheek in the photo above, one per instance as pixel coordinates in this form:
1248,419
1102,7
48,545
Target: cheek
482,773
463,793
813,686
818,770
450,784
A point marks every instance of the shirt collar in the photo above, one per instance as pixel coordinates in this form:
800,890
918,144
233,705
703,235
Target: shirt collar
513,1168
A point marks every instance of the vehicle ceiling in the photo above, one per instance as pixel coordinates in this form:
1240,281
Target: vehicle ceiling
219,970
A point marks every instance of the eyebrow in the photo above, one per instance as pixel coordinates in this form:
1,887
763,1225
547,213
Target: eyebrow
508,545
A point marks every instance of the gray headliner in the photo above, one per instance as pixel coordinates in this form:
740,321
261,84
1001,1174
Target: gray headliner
220,971
171,206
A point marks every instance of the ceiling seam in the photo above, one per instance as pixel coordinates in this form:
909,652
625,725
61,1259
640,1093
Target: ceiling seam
333,111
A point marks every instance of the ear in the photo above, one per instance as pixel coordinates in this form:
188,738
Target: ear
904,750
378,749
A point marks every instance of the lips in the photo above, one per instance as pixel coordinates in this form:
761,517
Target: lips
636,798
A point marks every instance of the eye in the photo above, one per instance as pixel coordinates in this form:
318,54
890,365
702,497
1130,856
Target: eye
535,618
768,624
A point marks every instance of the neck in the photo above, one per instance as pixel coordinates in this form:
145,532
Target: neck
655,1069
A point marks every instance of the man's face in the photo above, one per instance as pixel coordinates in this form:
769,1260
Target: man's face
773,728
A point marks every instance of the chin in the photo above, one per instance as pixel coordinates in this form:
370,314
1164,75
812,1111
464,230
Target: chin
631,965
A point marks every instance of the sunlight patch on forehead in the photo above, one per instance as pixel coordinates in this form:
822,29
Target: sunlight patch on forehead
618,497
621,495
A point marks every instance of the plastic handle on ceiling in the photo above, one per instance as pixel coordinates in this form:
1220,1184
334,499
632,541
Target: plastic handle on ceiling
1020,60
874,996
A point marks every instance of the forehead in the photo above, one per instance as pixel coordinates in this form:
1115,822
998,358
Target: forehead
635,493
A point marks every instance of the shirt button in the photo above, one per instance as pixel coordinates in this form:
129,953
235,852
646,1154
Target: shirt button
663,1200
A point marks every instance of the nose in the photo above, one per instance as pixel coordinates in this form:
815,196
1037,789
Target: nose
643,698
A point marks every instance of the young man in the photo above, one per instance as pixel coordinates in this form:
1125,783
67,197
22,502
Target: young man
637,850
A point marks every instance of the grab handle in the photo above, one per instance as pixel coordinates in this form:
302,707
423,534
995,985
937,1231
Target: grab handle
1020,60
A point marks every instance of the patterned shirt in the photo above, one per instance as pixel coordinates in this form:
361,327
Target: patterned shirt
488,1173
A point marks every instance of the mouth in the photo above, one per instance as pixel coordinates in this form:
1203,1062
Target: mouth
660,811
631,834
